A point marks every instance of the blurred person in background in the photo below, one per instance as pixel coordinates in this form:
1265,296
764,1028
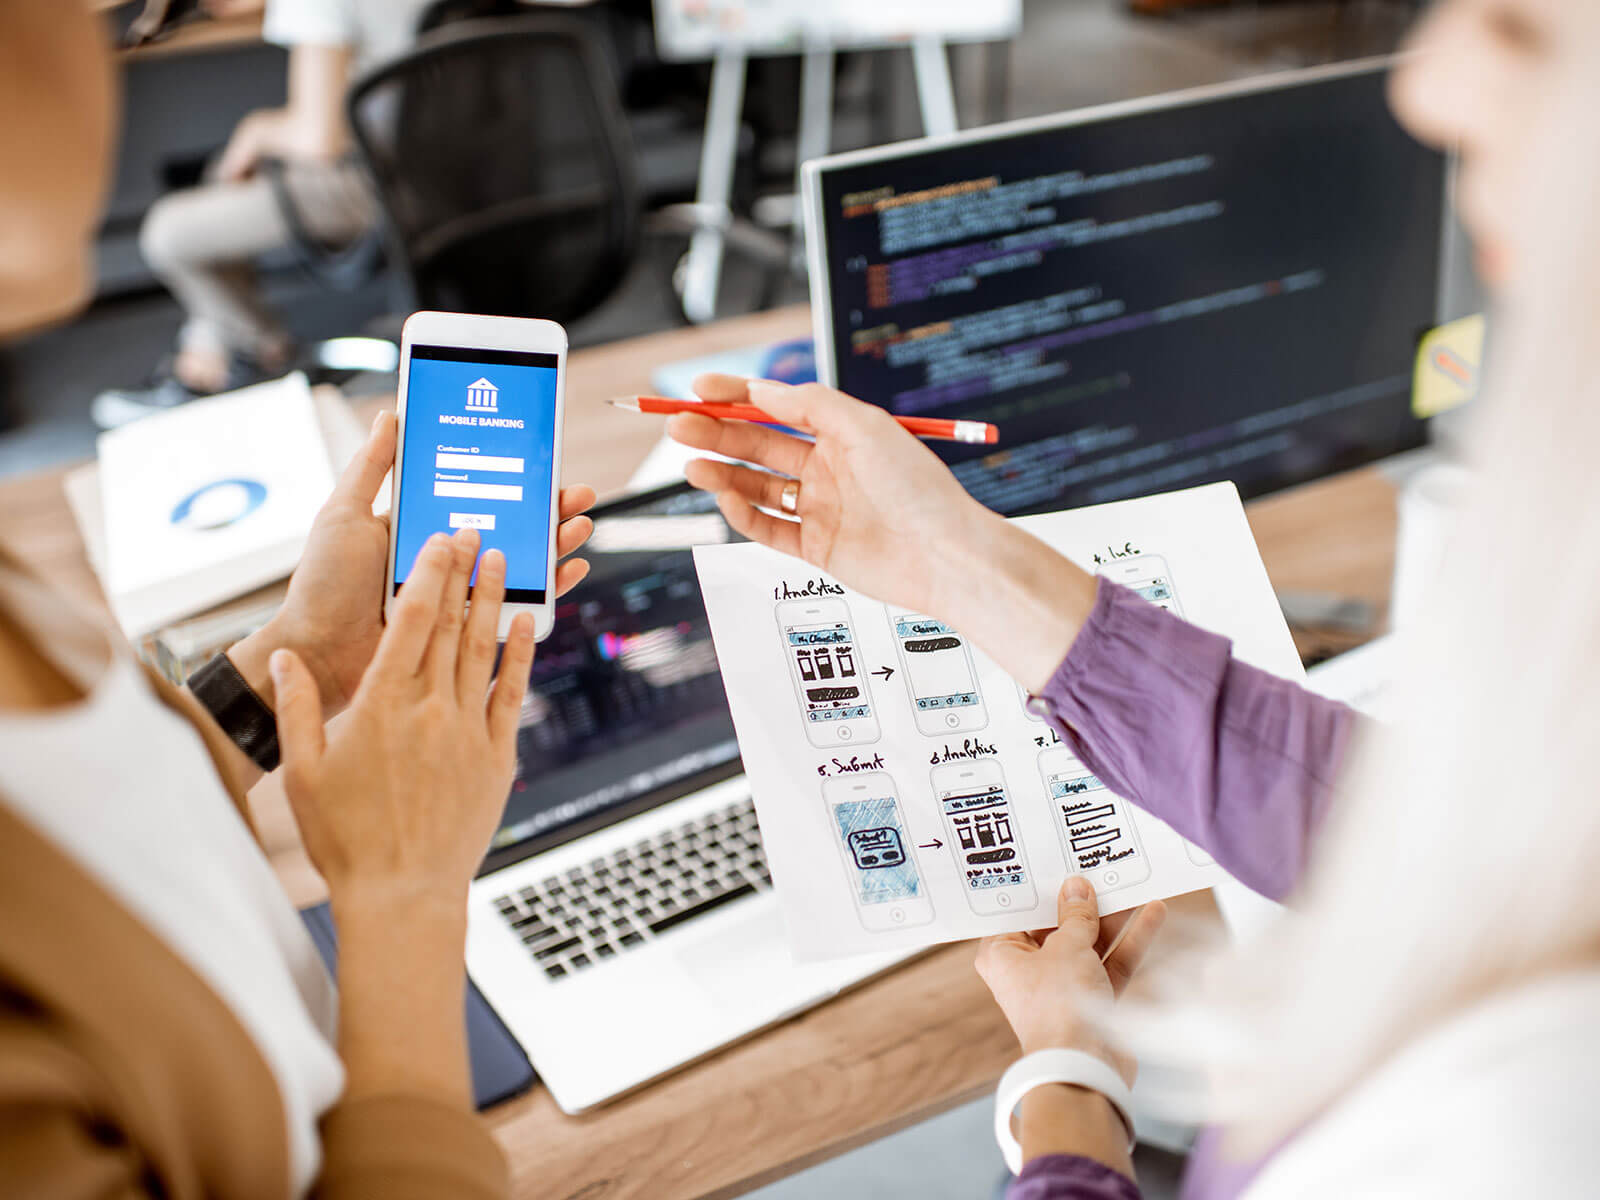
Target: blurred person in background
202,242
1422,1022
167,1028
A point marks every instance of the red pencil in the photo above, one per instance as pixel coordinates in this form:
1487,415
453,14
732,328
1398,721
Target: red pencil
935,429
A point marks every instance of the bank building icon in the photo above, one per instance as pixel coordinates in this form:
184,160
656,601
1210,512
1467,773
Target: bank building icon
483,396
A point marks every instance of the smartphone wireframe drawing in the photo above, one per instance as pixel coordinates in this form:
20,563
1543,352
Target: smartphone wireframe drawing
1027,709
983,836
1196,855
879,860
1096,829
940,675
828,673
1147,575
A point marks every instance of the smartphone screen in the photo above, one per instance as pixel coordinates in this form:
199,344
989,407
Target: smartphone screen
938,667
480,435
875,847
826,662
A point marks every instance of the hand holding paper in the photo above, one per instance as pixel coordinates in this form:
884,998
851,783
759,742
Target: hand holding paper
906,793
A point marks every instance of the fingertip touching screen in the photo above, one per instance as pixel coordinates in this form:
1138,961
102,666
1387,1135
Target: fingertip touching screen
479,453
1204,287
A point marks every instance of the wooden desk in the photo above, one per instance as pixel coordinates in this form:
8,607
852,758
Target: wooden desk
192,37
901,1049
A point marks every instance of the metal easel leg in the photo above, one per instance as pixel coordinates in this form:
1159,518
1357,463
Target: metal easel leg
816,107
935,94
815,135
718,156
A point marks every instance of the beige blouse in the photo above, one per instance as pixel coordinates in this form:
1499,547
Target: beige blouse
131,1062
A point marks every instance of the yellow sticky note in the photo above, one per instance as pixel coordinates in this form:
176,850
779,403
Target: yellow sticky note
1449,364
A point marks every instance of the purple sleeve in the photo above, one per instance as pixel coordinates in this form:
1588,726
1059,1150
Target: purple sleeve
1070,1177
1237,760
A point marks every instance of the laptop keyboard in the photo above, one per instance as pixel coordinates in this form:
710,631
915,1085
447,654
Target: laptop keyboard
581,917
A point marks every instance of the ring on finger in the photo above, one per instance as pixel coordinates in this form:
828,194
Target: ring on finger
789,498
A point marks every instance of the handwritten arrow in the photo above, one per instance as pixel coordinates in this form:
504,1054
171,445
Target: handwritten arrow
933,845
884,671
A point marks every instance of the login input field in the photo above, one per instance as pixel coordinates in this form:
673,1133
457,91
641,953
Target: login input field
478,491
444,461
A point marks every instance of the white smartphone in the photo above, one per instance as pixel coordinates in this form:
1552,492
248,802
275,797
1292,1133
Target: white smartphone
983,836
1096,828
481,405
825,663
1148,575
879,860
940,675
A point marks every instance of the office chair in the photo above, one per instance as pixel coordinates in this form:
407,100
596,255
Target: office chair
350,266
445,12
503,168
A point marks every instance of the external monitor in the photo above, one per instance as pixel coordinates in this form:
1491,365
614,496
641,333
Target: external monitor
1227,283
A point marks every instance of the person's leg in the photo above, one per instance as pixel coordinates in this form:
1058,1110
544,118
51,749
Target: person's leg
202,243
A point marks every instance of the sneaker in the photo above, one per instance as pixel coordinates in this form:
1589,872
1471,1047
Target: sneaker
116,407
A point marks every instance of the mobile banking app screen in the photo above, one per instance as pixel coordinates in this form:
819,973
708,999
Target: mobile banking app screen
480,439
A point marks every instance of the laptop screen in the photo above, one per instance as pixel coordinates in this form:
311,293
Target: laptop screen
625,707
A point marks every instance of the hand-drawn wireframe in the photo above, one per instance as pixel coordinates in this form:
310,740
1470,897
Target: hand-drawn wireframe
829,676
1023,697
984,839
1196,855
1097,830
940,676
879,859
1149,576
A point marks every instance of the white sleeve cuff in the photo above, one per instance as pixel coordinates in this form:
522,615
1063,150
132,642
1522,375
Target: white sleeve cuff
308,23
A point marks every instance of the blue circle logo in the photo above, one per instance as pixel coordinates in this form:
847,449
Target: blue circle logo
219,504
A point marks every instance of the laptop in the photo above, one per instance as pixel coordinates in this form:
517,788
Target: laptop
624,922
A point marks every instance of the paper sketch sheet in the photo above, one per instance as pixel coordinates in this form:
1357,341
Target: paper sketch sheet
905,793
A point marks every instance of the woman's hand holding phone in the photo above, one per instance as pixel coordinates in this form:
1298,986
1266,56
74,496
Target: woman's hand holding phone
399,800
396,804
880,512
332,616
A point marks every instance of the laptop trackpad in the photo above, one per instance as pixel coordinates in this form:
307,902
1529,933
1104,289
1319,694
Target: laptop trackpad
752,956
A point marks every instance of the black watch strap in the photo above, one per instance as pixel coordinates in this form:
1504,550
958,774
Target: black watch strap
242,714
